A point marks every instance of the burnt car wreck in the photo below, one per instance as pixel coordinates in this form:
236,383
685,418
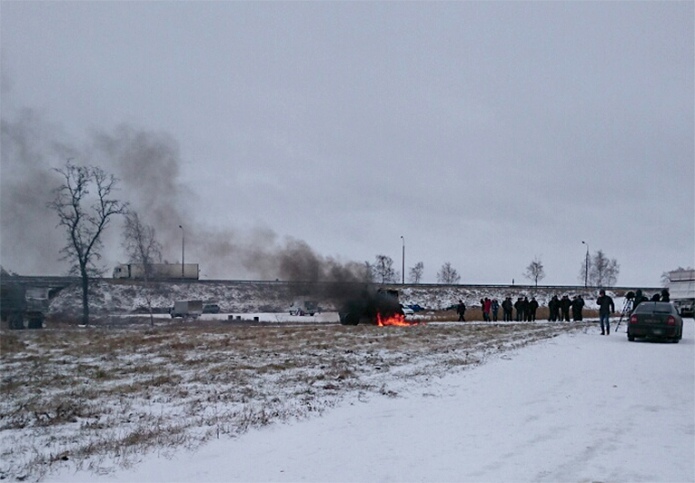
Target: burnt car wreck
374,307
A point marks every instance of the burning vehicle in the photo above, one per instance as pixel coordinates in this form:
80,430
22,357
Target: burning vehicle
376,307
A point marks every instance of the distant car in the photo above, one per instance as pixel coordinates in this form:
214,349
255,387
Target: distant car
659,320
304,307
416,307
211,309
407,310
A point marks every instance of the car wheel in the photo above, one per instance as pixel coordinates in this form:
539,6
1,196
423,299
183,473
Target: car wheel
630,337
349,319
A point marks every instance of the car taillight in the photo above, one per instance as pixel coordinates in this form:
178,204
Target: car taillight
671,320
633,319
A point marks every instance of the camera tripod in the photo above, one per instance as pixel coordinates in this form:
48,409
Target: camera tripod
627,309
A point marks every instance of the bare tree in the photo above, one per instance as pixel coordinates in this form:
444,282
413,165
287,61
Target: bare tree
85,208
416,272
142,248
383,269
535,271
602,271
448,275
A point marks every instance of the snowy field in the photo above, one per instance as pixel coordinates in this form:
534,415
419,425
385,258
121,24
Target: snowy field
437,402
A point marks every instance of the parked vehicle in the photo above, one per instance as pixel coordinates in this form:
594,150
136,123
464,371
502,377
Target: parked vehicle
159,271
304,307
659,320
211,309
23,307
187,309
682,291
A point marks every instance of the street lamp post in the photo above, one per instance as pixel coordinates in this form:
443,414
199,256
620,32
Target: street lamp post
403,262
183,252
586,267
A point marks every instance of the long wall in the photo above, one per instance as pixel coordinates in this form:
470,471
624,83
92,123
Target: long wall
125,296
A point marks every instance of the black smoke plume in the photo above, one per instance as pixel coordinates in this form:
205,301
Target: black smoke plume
148,165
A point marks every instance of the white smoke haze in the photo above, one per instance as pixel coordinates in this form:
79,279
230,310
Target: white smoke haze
147,164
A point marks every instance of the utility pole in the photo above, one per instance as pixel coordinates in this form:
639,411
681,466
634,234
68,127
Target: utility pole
183,252
403,262
586,268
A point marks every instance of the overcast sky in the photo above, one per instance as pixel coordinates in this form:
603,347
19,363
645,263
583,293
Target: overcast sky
486,134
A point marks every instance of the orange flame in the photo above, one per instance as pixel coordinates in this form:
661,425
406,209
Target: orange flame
395,319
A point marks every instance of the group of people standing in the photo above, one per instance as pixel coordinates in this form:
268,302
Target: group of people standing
524,310
559,309
638,297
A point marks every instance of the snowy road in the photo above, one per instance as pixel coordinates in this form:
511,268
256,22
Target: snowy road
578,407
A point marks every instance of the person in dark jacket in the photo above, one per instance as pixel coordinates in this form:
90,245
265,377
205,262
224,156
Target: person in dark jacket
665,296
524,309
461,310
639,298
577,305
553,308
565,305
507,309
532,307
519,306
605,308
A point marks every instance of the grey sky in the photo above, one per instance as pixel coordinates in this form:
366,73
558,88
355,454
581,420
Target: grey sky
484,133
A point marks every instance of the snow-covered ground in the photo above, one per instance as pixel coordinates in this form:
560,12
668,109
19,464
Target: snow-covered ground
579,407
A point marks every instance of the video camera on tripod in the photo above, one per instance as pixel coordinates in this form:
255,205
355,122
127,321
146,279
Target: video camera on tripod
628,306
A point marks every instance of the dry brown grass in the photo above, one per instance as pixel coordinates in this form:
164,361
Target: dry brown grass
101,396
10,343
475,314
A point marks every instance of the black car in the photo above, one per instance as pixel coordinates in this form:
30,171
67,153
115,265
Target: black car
211,309
659,320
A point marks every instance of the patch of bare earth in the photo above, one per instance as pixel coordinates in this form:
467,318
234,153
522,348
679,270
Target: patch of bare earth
100,398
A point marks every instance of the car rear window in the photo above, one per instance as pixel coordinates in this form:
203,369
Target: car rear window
654,308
